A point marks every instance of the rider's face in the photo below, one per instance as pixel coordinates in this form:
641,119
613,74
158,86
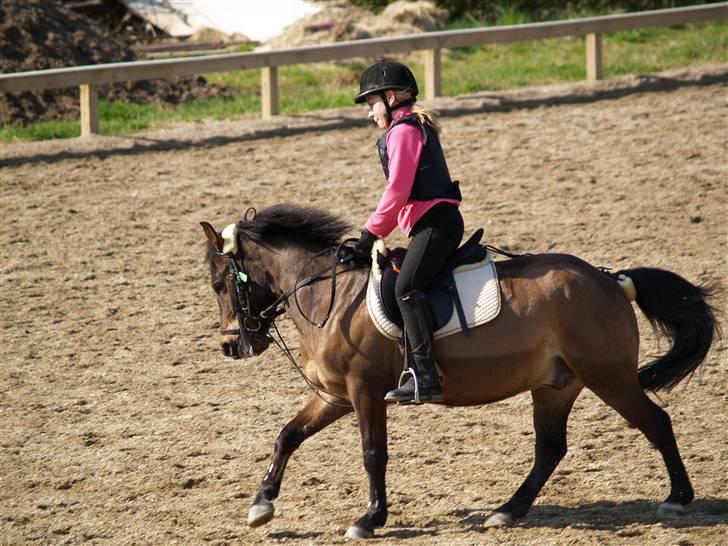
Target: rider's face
378,111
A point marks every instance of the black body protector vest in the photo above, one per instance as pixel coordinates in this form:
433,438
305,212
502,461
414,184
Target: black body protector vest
432,180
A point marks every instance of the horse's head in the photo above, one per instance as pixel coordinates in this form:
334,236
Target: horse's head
249,261
242,293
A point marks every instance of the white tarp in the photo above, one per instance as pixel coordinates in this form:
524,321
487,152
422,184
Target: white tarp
258,20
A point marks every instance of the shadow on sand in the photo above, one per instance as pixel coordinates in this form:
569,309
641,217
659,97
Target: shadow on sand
472,104
598,516
293,535
607,515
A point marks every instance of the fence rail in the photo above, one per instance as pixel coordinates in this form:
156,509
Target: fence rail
88,78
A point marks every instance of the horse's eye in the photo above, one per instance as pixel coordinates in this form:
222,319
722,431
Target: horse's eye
218,286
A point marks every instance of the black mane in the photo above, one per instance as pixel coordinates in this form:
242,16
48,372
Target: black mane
295,223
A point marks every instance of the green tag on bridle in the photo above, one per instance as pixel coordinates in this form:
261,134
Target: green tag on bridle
242,277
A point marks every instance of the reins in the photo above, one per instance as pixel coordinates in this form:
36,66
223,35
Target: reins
273,310
316,390
241,306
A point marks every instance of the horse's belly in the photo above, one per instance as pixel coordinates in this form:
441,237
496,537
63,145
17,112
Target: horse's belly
489,365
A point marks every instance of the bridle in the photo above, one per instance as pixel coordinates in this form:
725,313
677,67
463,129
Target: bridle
250,324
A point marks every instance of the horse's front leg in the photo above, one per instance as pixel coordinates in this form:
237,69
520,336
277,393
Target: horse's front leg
314,416
371,412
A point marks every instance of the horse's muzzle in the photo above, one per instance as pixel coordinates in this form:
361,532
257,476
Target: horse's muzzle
233,348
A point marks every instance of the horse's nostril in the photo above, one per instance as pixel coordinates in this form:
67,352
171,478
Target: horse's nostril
226,349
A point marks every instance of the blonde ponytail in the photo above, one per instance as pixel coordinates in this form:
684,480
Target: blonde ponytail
426,117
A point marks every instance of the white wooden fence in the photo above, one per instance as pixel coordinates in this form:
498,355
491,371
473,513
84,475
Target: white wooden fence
90,77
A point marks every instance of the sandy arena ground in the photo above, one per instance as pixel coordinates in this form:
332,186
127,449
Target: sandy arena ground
123,423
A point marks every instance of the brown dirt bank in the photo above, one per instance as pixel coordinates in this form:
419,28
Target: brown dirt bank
42,34
123,423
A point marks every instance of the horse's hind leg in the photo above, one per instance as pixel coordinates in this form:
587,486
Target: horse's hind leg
630,400
314,416
551,408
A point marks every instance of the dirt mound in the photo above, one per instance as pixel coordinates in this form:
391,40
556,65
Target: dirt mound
115,16
41,34
340,21
207,34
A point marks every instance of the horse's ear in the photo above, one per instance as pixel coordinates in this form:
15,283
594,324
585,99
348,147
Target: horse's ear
213,237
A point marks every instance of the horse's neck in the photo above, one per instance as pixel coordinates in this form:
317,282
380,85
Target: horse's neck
321,349
286,263
314,298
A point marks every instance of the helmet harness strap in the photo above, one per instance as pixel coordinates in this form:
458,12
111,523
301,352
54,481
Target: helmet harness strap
391,109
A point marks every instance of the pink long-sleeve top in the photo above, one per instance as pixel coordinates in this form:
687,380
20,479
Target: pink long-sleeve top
404,146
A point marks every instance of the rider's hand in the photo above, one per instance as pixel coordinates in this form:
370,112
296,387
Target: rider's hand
363,248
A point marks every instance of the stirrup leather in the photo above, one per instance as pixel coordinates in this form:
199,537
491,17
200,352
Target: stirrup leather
413,373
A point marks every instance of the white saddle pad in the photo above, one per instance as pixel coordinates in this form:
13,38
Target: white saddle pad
479,294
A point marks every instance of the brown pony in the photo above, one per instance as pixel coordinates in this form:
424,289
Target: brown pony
564,325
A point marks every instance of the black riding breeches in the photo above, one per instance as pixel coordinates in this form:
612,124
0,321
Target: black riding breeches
432,239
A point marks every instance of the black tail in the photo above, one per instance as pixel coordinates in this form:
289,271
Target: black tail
679,310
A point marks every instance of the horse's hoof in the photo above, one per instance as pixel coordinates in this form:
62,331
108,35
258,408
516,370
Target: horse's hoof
498,519
670,509
358,533
260,513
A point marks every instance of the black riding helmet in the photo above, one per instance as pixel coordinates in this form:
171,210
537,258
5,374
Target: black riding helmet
384,75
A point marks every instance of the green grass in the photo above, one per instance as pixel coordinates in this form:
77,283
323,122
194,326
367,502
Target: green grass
467,70
41,131
499,67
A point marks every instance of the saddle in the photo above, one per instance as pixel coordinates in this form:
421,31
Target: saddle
442,294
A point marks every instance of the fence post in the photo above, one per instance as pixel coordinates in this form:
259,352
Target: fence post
269,91
593,57
433,78
89,109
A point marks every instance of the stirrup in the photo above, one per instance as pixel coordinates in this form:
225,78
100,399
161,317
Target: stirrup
413,373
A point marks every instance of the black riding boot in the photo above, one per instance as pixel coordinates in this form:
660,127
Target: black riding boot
418,332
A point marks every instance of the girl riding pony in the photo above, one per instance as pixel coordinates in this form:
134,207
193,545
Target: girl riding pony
422,199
